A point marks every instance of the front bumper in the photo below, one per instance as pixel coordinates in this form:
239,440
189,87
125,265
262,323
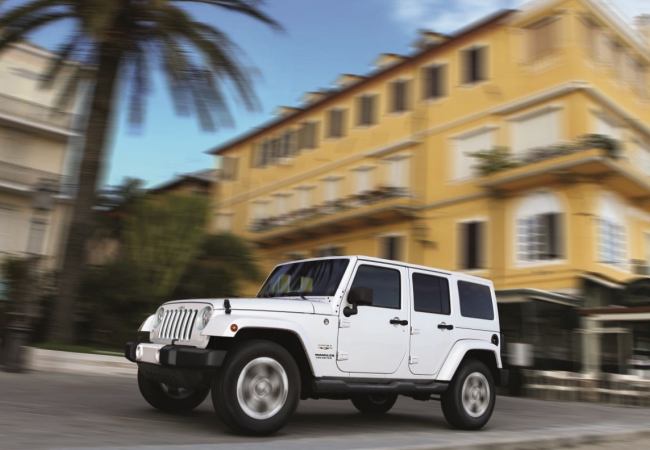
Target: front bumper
174,356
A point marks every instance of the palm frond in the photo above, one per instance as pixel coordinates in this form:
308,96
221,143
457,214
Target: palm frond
139,85
19,13
215,48
62,55
71,84
247,7
17,33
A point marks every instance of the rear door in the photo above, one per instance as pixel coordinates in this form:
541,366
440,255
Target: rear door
433,332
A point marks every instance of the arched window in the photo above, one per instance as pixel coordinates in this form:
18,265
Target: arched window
539,228
612,242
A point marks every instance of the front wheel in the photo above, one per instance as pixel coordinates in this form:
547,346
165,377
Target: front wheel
374,403
258,388
469,401
168,398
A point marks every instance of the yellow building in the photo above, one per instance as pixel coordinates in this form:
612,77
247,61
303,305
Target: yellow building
380,166
38,143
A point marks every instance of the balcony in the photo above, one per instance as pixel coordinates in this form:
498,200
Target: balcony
382,205
19,178
33,115
613,171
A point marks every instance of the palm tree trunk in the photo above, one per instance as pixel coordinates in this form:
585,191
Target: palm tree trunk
96,142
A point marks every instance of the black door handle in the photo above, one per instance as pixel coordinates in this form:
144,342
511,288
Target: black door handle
444,326
399,322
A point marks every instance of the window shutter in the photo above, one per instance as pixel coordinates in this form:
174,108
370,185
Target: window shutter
400,93
427,82
361,107
229,168
480,245
439,81
286,144
301,137
554,235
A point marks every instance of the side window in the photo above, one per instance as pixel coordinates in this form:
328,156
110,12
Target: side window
385,285
430,294
475,300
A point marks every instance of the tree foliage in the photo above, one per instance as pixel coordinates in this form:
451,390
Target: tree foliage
118,43
221,264
162,236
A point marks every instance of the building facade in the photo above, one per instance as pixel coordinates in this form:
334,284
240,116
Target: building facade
37,155
555,99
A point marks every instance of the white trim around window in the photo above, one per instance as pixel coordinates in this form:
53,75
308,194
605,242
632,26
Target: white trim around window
460,164
404,242
612,233
531,236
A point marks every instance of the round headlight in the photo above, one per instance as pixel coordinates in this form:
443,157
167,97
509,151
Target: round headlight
138,352
204,317
159,317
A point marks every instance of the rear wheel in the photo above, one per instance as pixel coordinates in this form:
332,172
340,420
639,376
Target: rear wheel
374,403
168,398
469,401
258,388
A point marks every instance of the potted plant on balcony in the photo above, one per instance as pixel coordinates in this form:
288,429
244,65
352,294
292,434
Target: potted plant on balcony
600,141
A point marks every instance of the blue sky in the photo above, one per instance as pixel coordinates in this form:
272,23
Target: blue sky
323,39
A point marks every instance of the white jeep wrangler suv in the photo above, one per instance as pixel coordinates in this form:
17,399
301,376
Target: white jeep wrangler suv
352,327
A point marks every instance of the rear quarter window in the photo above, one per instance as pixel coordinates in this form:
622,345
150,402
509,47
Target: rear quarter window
475,300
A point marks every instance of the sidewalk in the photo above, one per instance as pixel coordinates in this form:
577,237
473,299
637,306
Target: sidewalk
37,359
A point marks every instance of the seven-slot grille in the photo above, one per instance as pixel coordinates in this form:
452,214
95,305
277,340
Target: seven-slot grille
177,324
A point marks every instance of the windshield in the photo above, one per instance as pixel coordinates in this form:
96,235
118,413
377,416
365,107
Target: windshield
317,278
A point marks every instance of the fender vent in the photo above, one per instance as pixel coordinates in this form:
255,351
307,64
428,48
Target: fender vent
177,324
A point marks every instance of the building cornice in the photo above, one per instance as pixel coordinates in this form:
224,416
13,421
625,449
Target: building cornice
332,95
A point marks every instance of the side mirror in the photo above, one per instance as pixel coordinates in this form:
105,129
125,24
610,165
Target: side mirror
358,296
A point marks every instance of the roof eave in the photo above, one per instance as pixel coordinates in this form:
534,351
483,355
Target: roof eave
484,22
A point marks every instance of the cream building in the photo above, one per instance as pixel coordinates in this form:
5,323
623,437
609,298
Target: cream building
37,148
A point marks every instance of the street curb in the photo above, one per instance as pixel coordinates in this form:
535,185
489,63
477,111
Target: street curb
37,359
552,442
495,443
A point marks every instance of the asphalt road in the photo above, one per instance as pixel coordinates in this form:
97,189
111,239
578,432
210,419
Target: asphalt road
46,411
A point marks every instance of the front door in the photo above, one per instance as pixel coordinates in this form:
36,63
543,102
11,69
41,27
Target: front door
368,341
432,326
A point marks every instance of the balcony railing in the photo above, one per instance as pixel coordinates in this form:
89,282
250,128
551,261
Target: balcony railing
328,208
36,113
27,177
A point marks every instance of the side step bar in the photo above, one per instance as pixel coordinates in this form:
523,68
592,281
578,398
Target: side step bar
401,387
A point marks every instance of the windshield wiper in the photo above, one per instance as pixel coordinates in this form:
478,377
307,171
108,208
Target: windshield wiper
296,293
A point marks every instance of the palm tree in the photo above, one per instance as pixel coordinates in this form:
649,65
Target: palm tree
122,40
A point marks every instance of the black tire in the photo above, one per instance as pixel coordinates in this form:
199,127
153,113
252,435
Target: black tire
267,359
169,399
477,410
374,404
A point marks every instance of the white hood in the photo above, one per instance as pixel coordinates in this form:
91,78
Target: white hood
284,304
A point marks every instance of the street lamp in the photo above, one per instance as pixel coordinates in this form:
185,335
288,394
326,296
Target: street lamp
18,331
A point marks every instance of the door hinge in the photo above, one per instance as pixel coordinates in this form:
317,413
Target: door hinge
344,323
415,330
413,359
342,356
